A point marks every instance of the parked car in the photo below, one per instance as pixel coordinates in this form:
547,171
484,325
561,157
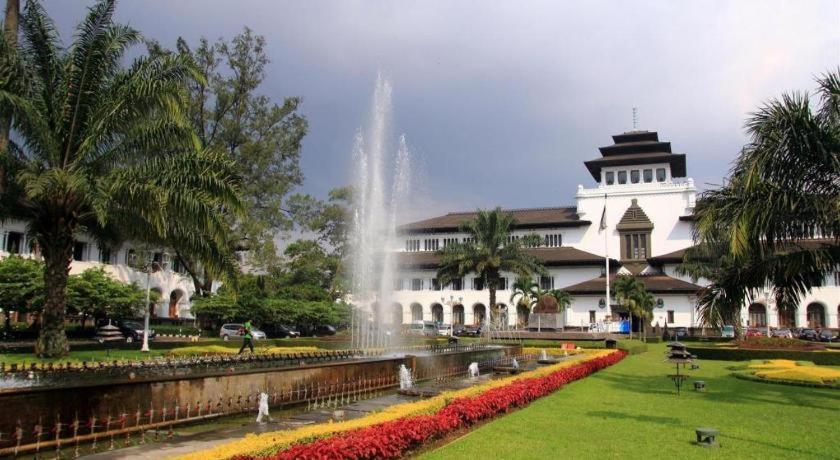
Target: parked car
282,331
422,328
130,329
679,332
307,330
468,331
783,333
235,330
727,331
753,332
444,329
808,334
827,335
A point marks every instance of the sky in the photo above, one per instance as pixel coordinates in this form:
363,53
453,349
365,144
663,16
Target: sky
501,102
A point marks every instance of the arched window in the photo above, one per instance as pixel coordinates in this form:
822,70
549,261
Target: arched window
437,313
499,317
758,315
458,314
416,312
816,315
479,314
174,300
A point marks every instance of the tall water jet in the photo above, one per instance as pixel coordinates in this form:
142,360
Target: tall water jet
377,208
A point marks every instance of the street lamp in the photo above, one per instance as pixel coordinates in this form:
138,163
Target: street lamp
149,265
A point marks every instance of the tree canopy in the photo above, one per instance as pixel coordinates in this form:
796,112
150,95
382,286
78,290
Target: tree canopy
106,148
776,222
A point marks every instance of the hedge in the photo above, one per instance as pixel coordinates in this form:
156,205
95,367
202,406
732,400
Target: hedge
826,358
633,347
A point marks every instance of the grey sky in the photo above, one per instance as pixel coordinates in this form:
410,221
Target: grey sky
501,102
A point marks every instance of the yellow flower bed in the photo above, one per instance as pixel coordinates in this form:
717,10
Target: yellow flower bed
773,364
550,351
783,369
265,443
223,350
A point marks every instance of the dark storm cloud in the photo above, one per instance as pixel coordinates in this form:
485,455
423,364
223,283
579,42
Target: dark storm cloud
503,101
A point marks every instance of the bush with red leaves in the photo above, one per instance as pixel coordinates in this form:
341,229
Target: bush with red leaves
394,439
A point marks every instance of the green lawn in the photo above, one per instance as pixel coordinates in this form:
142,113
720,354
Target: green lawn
631,411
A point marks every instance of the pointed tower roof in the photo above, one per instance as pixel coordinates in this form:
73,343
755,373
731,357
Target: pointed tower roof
637,148
634,218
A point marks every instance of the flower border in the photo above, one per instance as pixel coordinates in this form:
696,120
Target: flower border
393,439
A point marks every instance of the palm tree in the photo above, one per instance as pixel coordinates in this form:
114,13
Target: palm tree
781,194
106,150
642,308
563,298
525,292
627,291
487,252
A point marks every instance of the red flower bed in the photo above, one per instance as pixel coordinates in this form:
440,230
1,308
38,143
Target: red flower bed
393,439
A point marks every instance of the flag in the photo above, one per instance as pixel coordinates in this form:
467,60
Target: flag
603,218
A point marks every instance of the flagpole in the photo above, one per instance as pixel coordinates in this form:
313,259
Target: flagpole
607,255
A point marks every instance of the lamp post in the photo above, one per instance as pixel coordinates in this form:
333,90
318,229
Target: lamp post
150,267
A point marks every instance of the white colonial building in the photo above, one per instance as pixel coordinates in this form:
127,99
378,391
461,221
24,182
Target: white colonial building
173,285
649,204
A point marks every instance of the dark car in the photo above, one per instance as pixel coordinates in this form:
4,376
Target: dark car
468,331
282,331
827,335
132,330
680,332
808,334
311,331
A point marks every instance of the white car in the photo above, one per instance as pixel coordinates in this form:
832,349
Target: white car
234,330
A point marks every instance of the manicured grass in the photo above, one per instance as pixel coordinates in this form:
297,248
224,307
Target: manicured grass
631,410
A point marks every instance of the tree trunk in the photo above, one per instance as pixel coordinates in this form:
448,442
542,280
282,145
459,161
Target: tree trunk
10,29
52,340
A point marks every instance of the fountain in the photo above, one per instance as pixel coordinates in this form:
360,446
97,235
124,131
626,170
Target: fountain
473,370
545,359
514,363
263,408
406,380
373,237
294,380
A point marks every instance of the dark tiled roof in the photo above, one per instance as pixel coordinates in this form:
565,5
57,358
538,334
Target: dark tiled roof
675,257
532,218
655,284
562,256
637,148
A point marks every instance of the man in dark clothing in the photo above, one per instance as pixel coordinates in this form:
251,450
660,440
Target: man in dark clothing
247,338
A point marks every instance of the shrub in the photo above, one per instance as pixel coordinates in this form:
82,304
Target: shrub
633,347
759,343
828,358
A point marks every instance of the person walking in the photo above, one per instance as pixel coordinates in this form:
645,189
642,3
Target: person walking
247,338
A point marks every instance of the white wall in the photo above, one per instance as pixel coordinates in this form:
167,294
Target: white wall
165,282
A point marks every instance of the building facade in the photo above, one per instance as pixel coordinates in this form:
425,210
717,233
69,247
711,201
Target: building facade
173,285
638,213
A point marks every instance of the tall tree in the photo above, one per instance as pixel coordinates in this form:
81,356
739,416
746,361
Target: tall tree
107,150
263,139
487,252
777,220
10,31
